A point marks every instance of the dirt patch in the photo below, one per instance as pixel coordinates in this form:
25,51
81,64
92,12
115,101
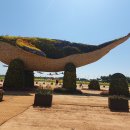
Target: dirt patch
71,112
13,104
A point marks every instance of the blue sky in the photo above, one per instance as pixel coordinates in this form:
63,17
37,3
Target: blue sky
86,21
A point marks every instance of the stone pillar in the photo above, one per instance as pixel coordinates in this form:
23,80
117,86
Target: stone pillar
69,79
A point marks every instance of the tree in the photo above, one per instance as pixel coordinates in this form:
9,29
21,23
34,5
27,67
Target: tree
106,78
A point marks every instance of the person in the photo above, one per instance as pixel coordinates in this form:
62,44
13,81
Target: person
57,81
81,85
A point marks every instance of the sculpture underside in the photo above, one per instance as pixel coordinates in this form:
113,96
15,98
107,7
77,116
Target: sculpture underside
35,62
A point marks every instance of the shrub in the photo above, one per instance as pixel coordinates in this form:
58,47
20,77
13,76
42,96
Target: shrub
94,85
43,97
118,103
44,91
1,80
69,79
118,85
36,82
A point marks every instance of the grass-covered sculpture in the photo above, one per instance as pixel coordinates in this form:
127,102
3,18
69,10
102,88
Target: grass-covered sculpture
43,97
17,78
118,103
119,85
51,55
69,79
52,48
118,92
28,80
94,85
14,78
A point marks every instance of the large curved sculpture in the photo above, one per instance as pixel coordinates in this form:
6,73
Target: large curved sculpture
34,62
